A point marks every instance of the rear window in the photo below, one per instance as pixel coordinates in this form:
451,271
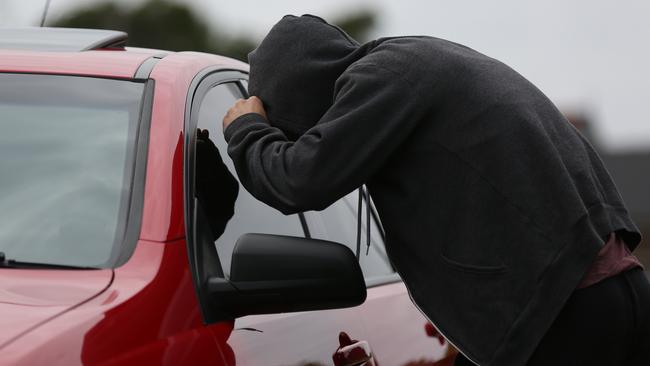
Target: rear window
66,162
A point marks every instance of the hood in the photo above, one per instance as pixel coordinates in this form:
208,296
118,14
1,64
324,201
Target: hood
294,69
29,297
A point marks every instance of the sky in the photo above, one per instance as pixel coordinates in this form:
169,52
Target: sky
590,57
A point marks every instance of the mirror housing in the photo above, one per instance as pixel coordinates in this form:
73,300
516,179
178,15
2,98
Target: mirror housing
275,273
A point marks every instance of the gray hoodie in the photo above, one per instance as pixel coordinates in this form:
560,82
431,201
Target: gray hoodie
493,204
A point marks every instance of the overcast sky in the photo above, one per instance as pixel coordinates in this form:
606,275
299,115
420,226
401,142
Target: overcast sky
587,56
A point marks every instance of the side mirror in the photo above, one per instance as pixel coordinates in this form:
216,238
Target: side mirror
274,273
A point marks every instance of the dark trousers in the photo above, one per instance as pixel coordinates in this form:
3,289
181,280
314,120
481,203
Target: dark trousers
607,323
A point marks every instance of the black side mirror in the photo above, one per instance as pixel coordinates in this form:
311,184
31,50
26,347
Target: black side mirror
274,273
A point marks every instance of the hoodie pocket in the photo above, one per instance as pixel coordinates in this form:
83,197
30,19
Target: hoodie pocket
472,258
474,268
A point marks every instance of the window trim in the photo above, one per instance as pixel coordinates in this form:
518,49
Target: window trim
202,83
134,213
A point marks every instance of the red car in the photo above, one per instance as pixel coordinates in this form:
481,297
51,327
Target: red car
112,252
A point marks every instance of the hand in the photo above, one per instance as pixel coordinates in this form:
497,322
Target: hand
241,107
216,188
431,331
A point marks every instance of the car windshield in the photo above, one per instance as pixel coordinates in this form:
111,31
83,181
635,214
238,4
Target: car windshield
66,163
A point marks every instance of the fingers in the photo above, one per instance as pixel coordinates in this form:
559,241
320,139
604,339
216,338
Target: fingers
230,115
258,105
244,106
255,99
202,134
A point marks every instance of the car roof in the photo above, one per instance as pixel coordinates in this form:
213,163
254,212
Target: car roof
86,52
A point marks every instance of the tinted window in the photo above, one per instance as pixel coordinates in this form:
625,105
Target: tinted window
65,166
221,195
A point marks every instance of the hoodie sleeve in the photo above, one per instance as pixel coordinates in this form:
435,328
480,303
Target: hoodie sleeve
374,110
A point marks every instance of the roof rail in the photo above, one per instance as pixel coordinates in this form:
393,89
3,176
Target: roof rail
60,39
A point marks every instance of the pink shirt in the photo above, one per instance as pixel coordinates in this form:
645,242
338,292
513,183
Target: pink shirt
613,258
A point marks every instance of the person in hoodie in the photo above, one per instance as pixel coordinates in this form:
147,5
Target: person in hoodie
500,217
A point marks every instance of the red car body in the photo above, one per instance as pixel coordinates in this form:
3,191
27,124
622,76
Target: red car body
146,311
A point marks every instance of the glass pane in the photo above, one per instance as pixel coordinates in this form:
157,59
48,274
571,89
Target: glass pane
250,215
338,223
65,166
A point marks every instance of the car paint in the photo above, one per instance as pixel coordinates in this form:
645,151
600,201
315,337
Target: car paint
146,311
29,298
114,64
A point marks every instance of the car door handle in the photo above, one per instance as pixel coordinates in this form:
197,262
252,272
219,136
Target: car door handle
352,352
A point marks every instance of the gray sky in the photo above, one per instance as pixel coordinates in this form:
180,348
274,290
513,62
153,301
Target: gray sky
587,56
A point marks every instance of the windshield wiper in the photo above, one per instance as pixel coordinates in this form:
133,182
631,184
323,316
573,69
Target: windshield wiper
11,263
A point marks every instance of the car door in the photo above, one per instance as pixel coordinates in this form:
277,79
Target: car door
304,338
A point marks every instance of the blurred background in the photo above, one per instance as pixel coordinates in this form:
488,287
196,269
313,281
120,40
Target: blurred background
590,57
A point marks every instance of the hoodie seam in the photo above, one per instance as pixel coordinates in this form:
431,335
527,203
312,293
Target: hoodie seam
320,20
396,73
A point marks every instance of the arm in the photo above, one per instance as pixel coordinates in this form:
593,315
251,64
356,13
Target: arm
374,110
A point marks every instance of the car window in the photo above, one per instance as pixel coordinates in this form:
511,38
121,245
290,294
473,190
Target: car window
230,209
338,223
66,161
